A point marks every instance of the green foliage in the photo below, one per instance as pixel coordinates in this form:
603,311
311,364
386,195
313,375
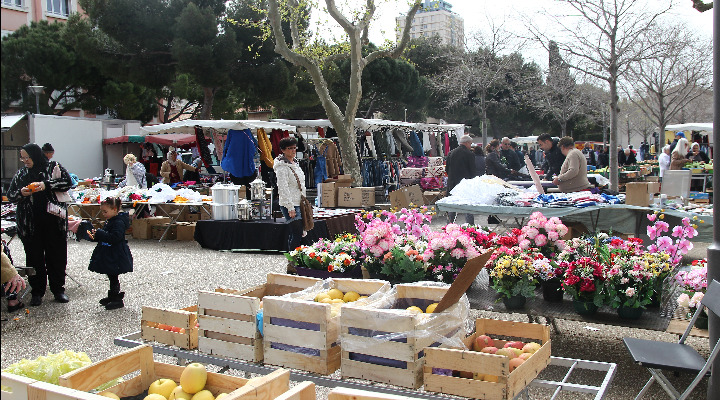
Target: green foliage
401,268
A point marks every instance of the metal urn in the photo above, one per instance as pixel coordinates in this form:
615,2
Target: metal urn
108,176
244,210
257,189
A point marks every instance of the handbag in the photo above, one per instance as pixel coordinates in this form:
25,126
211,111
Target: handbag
62,197
306,210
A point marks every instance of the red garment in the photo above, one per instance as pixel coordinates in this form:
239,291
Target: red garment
174,174
275,136
447,144
321,132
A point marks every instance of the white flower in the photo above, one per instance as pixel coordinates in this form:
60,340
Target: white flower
630,292
683,300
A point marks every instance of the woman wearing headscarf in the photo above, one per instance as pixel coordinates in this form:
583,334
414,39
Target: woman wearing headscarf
664,160
41,221
677,157
696,154
172,170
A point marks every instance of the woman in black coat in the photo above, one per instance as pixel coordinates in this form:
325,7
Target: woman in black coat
112,255
42,221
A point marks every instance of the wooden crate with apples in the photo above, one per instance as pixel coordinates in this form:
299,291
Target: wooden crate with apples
16,387
171,327
304,334
227,316
140,359
486,375
399,360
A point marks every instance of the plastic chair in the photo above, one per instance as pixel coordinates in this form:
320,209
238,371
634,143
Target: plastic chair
657,356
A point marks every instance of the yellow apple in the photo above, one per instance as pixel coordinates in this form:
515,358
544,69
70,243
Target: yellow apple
319,298
193,378
220,396
154,396
337,301
531,347
179,394
362,297
326,300
351,296
163,387
415,309
110,395
203,395
478,377
335,294
431,308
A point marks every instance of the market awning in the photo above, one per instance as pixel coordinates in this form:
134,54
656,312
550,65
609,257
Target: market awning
702,127
188,126
125,139
171,139
8,121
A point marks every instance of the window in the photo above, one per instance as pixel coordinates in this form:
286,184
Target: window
58,7
13,3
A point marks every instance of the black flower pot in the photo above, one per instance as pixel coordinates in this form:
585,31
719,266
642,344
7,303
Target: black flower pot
516,302
584,307
630,312
552,290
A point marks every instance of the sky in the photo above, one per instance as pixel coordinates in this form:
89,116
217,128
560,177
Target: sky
479,14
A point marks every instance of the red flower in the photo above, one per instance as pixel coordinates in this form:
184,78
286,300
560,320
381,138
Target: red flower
587,285
330,268
616,242
571,280
636,240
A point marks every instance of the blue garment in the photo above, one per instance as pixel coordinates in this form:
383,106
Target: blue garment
320,170
239,152
416,145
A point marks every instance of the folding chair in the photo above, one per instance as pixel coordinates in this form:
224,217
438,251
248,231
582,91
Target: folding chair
657,356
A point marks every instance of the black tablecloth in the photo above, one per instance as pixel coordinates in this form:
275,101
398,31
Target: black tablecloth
261,235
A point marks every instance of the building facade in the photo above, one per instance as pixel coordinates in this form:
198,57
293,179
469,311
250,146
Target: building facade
16,13
435,18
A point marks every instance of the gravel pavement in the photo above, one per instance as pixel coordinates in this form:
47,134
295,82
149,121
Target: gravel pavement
169,274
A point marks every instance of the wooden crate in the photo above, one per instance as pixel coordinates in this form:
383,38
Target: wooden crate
304,334
509,383
302,391
397,362
18,387
185,318
227,316
140,359
357,394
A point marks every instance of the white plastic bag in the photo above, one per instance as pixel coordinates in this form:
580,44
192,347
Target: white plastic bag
62,197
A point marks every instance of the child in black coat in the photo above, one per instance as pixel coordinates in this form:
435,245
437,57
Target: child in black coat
112,255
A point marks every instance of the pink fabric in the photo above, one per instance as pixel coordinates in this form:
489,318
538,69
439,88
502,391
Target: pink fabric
73,225
447,144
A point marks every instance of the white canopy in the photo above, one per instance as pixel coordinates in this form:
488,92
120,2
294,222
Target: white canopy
703,127
188,126
365,123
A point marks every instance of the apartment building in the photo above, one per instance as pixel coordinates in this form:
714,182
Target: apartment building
435,18
16,13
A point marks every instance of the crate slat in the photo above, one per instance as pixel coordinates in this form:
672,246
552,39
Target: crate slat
238,350
319,340
228,326
325,364
410,378
373,347
464,387
302,391
19,386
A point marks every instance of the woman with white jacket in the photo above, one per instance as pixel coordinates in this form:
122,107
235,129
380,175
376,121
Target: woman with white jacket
291,185
664,160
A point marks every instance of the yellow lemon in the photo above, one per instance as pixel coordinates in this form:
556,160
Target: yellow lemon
110,395
319,298
362,297
415,309
154,396
335,294
326,300
431,308
351,296
337,301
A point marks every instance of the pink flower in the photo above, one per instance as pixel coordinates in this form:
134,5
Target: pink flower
532,233
549,227
533,224
662,226
384,245
562,230
630,292
555,220
678,231
652,232
376,251
457,253
696,299
553,236
651,217
524,244
540,240
664,243
685,246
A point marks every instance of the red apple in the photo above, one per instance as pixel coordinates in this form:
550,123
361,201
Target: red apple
489,349
515,362
483,341
531,347
525,356
517,345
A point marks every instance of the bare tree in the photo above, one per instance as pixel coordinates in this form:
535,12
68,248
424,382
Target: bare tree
602,40
663,85
474,78
302,54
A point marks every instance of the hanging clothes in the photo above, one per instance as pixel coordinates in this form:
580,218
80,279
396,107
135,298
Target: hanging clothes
321,132
381,144
405,147
265,147
433,144
240,148
202,145
439,142
332,157
446,144
426,141
391,143
330,133
275,136
453,141
300,143
370,144
416,145
219,142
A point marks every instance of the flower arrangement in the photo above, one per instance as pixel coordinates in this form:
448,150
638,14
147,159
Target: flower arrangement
316,256
482,238
415,221
694,280
584,280
404,262
629,282
511,272
546,269
447,252
677,244
378,238
544,234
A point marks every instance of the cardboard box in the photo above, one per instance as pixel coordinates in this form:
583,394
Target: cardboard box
142,227
652,179
407,195
356,197
159,230
341,180
638,194
186,231
431,197
328,193
653,187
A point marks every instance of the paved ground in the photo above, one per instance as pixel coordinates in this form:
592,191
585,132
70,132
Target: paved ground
169,274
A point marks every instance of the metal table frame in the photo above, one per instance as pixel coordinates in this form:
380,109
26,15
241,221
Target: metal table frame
173,220
184,356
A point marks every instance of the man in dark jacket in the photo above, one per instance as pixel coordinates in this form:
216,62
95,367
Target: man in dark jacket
589,154
460,165
508,153
554,158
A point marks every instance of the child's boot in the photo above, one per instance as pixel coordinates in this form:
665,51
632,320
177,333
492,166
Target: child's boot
105,300
116,301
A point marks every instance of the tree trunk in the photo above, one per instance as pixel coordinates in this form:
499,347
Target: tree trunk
614,179
208,99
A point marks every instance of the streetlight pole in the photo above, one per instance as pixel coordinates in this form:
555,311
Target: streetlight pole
405,115
37,90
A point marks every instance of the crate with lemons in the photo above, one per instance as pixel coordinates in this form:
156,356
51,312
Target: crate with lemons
300,330
154,380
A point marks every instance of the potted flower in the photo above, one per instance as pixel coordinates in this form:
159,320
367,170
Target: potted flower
404,262
447,252
543,234
306,259
512,275
694,285
583,280
629,284
549,274
376,239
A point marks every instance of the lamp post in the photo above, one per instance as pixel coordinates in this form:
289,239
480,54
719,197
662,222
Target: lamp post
405,120
37,90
